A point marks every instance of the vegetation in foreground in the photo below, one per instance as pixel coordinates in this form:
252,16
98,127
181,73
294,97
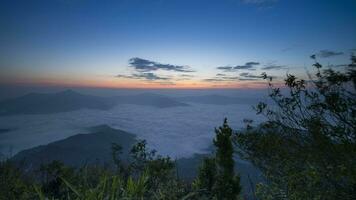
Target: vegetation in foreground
146,176
305,150
307,147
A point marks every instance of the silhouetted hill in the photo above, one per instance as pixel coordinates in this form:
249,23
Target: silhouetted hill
36,103
218,100
80,149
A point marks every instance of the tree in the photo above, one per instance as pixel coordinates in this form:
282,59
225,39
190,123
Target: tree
227,185
216,175
306,148
206,177
116,151
160,170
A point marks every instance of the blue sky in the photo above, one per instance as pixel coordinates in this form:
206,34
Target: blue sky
93,43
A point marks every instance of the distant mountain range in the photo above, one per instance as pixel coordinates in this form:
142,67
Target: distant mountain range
36,103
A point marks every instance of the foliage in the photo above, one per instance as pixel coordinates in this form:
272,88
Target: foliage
216,175
307,148
206,175
13,183
51,182
152,178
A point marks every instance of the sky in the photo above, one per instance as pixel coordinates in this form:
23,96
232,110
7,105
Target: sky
170,43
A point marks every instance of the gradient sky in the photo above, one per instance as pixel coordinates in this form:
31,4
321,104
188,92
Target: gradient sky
170,43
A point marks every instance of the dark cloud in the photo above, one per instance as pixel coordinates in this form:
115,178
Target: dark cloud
250,76
150,76
243,67
124,76
143,65
274,67
248,65
225,68
252,63
328,53
245,76
145,76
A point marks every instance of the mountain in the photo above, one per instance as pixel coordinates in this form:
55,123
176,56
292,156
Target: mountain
79,149
217,100
36,103
95,148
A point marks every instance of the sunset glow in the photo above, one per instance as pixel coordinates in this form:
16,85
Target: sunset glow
179,44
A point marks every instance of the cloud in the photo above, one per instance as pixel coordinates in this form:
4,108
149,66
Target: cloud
252,63
143,65
327,54
274,67
123,76
250,76
145,76
150,76
213,79
225,68
242,76
249,65
186,75
183,77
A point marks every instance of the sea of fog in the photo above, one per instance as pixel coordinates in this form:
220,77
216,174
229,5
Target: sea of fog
175,131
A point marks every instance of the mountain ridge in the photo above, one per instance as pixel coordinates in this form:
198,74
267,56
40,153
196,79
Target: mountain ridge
69,100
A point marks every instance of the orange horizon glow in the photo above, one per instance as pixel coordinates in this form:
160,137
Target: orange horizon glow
117,84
